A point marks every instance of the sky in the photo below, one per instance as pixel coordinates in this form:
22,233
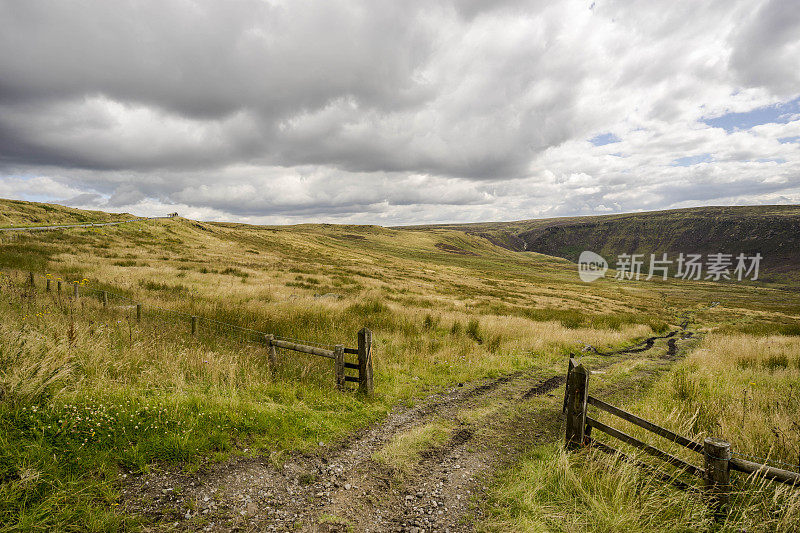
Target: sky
399,112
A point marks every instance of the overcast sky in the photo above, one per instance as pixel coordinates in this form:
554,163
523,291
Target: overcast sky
399,112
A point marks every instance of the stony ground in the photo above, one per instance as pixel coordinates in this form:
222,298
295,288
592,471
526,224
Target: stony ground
342,487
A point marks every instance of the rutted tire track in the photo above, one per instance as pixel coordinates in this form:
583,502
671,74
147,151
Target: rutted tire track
437,496
431,506
545,387
643,346
317,478
311,492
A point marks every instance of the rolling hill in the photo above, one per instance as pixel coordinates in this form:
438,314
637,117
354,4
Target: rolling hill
773,231
15,213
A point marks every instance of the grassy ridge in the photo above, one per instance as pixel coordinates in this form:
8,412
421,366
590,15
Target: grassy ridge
15,213
771,230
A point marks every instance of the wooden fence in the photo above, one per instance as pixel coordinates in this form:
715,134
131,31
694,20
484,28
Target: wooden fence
363,364
337,352
717,453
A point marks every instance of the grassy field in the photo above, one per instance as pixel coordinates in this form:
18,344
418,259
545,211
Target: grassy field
89,395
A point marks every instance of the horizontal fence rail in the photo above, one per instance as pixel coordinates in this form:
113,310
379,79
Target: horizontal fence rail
231,331
717,455
651,450
644,424
770,472
313,350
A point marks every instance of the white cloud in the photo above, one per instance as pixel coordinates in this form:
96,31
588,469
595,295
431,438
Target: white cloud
394,112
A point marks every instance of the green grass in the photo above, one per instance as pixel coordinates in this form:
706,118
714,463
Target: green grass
557,491
25,255
58,460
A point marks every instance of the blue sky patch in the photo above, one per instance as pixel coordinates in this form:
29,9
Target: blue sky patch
690,160
784,140
604,138
771,114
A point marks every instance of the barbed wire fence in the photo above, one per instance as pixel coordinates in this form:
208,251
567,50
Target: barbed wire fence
197,325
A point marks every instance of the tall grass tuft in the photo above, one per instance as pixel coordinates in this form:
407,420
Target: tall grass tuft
588,490
33,368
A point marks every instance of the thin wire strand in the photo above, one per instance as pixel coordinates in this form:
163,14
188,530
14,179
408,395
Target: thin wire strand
229,327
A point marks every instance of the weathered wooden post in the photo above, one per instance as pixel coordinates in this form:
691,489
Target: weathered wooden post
58,286
138,312
104,298
31,281
194,325
272,352
365,384
338,357
75,290
578,387
718,474
47,285
570,366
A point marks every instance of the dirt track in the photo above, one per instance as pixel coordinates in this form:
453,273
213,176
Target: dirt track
342,487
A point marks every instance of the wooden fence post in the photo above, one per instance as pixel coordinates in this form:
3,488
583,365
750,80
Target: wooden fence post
338,355
365,384
578,387
58,286
47,285
570,366
75,290
194,325
272,352
104,298
717,453
138,312
31,281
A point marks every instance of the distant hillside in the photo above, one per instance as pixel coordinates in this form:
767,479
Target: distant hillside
21,213
773,231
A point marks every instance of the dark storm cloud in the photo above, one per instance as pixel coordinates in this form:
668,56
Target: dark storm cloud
766,49
65,64
353,85
209,59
